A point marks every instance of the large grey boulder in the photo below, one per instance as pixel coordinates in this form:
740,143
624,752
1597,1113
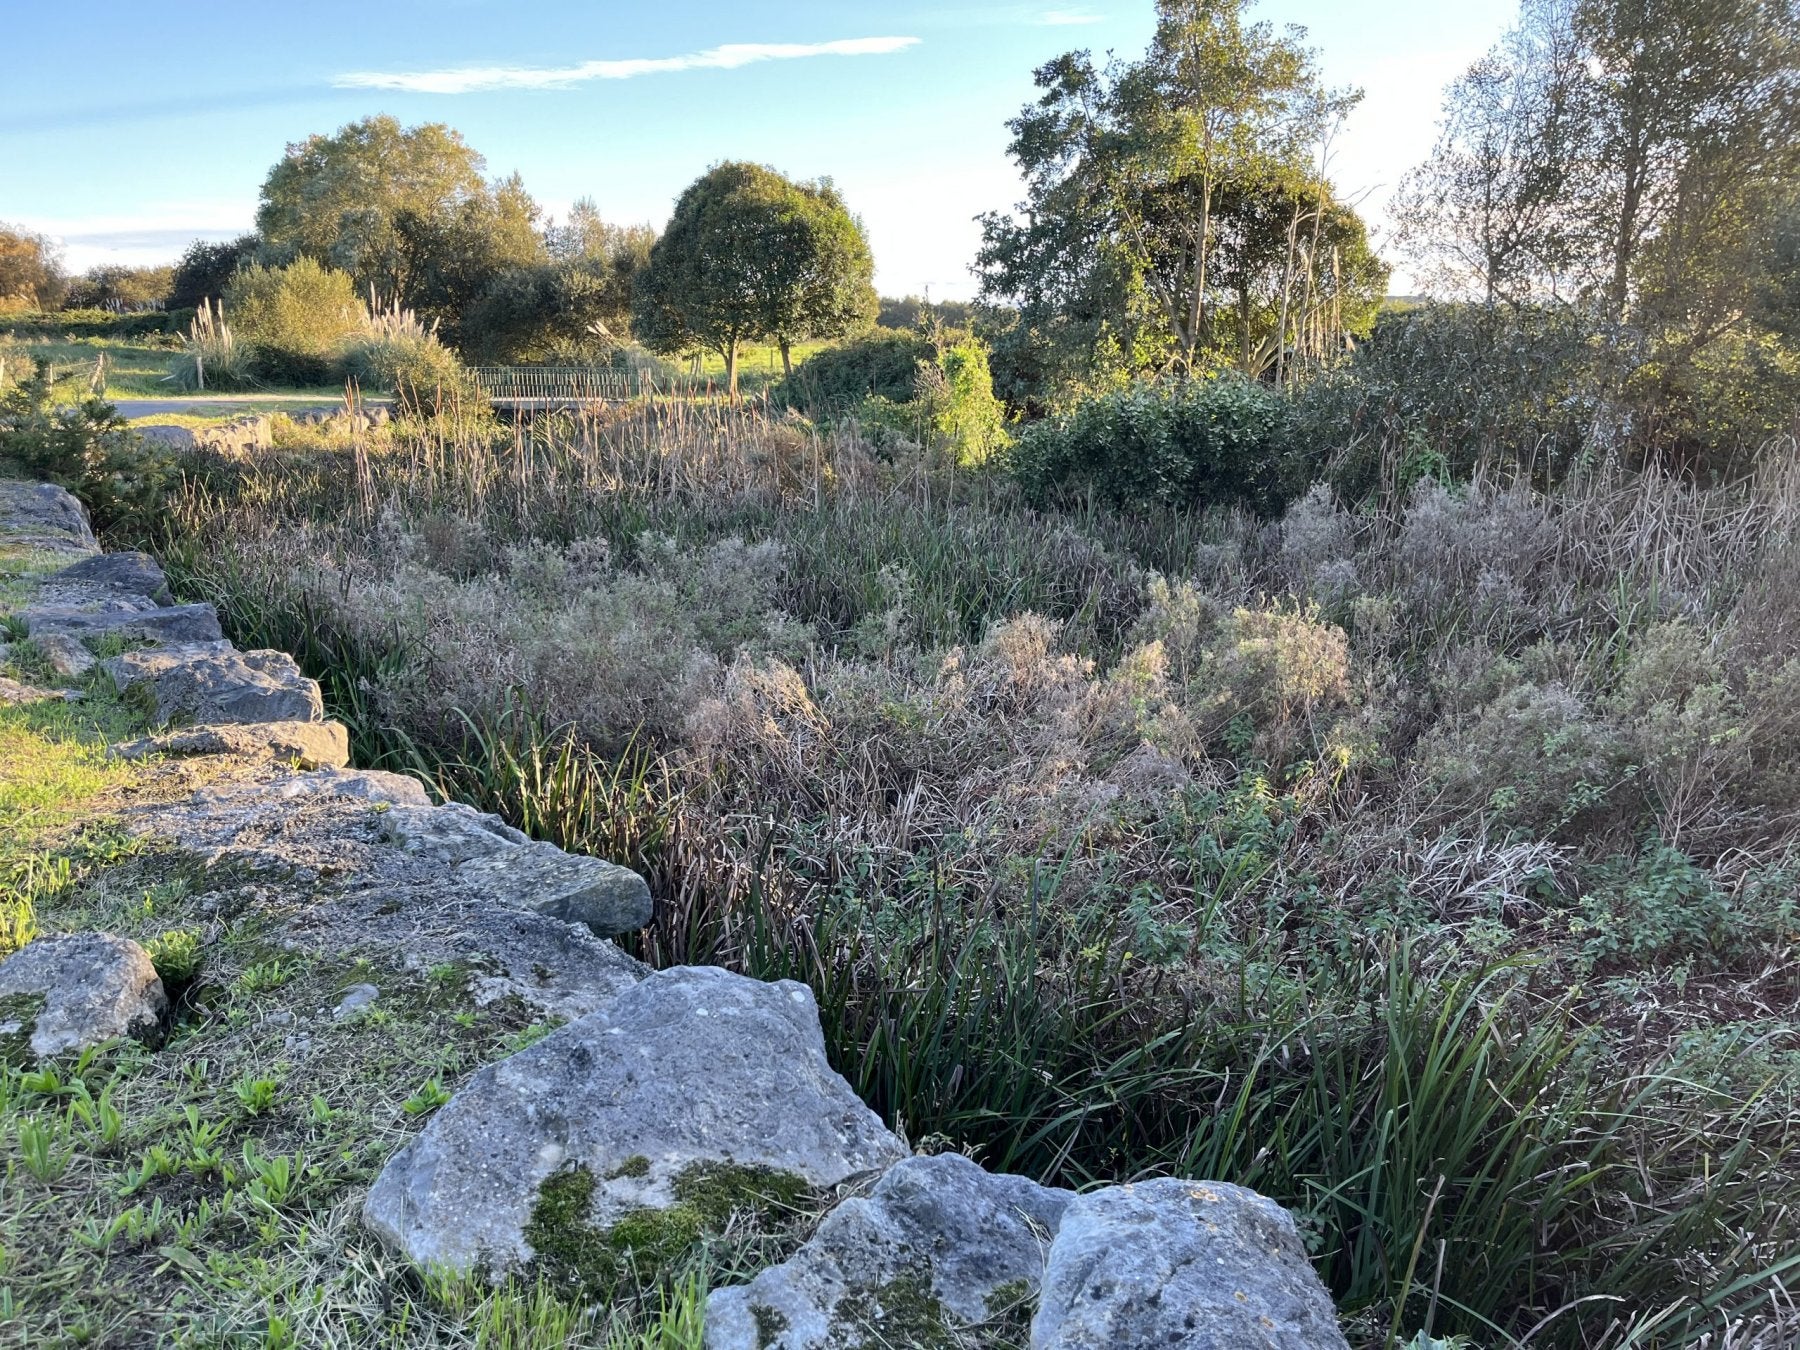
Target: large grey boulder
168,624
304,745
94,986
1171,1263
44,516
127,572
490,857
692,1070
939,1247
211,682
171,435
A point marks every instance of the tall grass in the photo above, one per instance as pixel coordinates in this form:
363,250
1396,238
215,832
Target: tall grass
211,357
1320,982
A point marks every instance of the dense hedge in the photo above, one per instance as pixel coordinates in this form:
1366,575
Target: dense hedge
96,323
881,365
1223,441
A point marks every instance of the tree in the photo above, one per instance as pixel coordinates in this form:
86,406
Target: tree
405,211
1698,102
205,269
834,293
31,271
1615,152
121,289
444,260
1133,173
1490,211
749,254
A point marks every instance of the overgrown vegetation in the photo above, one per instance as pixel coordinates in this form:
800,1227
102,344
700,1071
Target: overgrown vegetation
1427,865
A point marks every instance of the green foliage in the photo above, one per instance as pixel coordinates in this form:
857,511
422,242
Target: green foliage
120,289
1175,218
205,269
87,448
295,317
749,254
571,311
336,198
177,956
97,323
966,420
1218,442
838,379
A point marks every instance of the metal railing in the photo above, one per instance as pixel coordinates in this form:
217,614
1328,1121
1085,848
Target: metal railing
552,384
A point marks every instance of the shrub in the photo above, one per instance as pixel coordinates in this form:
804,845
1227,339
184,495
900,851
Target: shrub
296,317
88,449
97,323
839,379
966,420
211,357
395,352
1216,442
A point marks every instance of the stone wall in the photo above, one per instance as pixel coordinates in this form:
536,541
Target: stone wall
666,1100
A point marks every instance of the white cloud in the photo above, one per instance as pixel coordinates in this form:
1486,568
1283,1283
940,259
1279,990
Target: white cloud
474,79
1060,18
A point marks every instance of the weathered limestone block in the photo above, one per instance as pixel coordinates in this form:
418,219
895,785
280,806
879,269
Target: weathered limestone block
690,1071
211,682
94,986
304,745
1200,1264
940,1246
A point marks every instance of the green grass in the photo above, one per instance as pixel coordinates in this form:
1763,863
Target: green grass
134,370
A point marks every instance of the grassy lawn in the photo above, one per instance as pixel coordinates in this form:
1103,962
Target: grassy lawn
134,369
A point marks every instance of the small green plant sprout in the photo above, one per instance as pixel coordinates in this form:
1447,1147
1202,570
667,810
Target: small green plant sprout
40,1147
431,1095
322,1112
197,1071
176,955
256,1095
201,1140
44,1082
98,1117
158,1160
265,976
270,1181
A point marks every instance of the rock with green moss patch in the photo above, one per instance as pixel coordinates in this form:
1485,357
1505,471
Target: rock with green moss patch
634,1250
941,1252
95,987
693,1067
1199,1264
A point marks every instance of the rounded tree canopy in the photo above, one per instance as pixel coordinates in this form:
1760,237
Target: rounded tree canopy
748,255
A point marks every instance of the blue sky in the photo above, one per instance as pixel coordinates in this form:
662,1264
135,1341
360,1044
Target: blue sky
135,128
